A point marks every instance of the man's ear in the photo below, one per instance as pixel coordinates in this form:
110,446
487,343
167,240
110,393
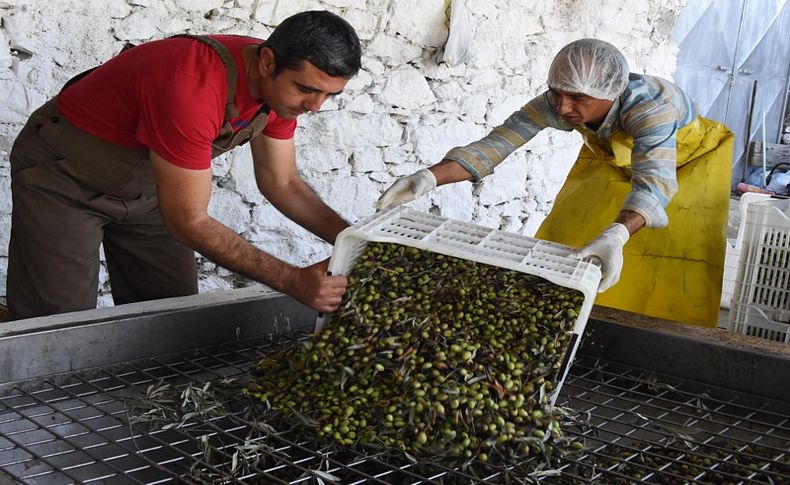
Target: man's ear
266,61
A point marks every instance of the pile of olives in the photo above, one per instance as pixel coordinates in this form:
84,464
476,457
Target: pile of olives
430,354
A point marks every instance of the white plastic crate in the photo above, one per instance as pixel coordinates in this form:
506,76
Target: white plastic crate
731,258
761,303
733,253
472,242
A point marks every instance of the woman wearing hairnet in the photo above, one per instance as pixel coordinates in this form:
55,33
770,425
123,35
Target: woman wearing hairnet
648,160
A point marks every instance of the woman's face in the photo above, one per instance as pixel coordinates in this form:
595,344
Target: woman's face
578,108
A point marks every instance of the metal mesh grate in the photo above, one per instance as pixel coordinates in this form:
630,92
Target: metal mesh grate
75,429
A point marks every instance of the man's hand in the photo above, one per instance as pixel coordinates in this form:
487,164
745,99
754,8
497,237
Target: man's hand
407,189
608,247
313,287
279,181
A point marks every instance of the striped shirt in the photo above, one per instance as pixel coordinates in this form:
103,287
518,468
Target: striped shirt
651,110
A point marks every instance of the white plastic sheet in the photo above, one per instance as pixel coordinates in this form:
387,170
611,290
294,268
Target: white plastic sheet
459,41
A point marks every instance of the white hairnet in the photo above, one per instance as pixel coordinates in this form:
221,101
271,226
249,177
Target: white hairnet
590,66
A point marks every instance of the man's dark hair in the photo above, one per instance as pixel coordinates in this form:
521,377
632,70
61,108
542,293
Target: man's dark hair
322,38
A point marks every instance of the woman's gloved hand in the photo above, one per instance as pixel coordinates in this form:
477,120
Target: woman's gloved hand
406,189
608,247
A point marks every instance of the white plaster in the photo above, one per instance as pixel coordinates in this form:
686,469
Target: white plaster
228,208
136,27
407,89
372,65
116,9
397,154
5,233
16,106
431,143
211,283
320,160
274,12
364,22
422,22
201,6
474,107
362,104
501,111
6,59
401,113
455,201
241,176
393,51
359,82
5,195
506,183
368,160
340,128
380,177
346,3
450,90
238,13
351,197
226,273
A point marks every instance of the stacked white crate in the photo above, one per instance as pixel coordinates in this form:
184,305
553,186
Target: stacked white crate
473,242
733,255
761,302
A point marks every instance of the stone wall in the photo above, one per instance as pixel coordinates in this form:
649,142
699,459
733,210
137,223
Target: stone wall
402,112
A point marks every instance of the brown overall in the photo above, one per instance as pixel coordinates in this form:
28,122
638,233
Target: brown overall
72,191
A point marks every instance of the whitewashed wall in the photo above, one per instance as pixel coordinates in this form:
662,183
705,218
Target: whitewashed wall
402,112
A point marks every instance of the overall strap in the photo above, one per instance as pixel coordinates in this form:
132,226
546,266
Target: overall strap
230,68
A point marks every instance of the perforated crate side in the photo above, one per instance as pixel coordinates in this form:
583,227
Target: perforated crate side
757,324
733,253
731,259
761,303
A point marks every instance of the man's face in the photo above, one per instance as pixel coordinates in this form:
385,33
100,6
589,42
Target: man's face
293,92
578,108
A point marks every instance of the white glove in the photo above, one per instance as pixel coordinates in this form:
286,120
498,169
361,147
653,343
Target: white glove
407,189
608,247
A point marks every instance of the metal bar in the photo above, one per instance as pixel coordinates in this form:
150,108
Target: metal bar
748,134
402,469
290,444
707,356
619,393
130,332
47,458
688,395
132,437
94,404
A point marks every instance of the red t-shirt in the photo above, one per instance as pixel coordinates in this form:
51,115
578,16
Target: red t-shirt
168,96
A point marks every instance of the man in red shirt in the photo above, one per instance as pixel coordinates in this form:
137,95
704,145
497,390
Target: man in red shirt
122,156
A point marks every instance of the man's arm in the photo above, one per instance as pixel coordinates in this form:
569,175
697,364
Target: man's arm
477,159
183,197
449,171
279,181
632,221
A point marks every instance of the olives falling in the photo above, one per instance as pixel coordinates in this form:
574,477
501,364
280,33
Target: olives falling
430,354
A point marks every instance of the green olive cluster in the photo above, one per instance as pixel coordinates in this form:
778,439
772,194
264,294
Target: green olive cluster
431,354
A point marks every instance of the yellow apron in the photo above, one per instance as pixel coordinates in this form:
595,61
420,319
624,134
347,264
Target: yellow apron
674,272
